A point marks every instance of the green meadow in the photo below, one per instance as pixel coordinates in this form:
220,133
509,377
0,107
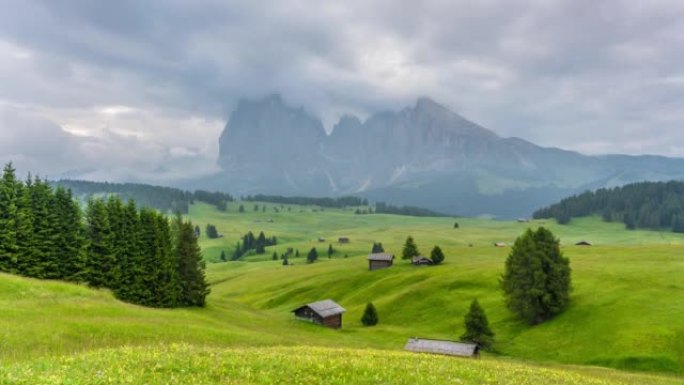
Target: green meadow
627,310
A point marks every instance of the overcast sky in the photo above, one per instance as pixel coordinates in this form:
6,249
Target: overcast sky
142,89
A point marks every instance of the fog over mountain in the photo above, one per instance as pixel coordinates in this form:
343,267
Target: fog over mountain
423,155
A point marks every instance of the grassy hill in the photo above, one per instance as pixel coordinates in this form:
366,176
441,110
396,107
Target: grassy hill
626,312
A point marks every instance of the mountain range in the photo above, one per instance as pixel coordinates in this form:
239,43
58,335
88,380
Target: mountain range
424,155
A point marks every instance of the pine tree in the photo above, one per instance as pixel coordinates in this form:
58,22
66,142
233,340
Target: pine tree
331,251
370,315
477,327
456,225
436,255
101,263
536,281
191,278
377,248
274,256
410,249
312,256
9,197
26,256
285,261
223,257
242,208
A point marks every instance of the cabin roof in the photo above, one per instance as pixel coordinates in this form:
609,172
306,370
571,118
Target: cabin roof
380,257
424,345
325,308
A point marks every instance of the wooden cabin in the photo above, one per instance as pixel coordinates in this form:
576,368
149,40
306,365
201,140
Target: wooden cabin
378,261
421,261
500,244
582,243
326,313
450,348
343,240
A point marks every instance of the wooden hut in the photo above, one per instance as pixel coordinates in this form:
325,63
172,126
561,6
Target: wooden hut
326,313
582,243
343,240
450,348
421,261
500,244
380,261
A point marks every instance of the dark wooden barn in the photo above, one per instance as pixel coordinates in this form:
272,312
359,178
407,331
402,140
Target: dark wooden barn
582,243
343,240
380,261
450,348
421,261
326,313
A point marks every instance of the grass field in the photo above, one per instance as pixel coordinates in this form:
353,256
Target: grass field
626,312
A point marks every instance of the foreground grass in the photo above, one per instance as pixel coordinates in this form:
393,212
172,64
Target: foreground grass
185,364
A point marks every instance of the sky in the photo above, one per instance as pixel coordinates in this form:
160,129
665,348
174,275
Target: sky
140,90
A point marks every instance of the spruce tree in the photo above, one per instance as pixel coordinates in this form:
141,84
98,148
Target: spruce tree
536,281
477,327
312,256
101,263
70,240
9,197
191,278
436,255
377,248
274,256
370,315
331,251
223,257
25,236
46,257
132,286
410,249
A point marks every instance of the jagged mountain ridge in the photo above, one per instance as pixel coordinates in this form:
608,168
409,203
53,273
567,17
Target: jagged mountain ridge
422,155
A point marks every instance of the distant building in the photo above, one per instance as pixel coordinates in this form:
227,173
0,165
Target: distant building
343,240
500,244
450,348
523,220
421,260
321,239
380,261
582,243
326,313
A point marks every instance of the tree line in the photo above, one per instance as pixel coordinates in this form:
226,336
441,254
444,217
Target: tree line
164,199
385,208
649,205
340,202
141,255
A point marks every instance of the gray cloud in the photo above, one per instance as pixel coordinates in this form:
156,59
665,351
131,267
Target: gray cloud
595,77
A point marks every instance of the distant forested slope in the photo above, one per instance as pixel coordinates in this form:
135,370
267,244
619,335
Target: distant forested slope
648,205
165,199
340,202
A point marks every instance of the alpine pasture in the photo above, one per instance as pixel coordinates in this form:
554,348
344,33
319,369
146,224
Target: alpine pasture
626,310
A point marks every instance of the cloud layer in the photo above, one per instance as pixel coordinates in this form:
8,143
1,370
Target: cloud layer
143,88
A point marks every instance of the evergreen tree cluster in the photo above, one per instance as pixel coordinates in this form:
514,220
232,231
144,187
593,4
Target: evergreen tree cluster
377,248
250,242
138,254
340,202
477,327
312,256
211,231
536,280
385,208
649,205
164,199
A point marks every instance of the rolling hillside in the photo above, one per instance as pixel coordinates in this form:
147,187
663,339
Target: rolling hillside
625,313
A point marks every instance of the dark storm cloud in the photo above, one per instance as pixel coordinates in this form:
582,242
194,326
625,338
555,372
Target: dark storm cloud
592,76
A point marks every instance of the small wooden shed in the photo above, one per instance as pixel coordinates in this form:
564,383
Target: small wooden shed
582,243
380,261
343,240
500,244
450,348
421,261
326,313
